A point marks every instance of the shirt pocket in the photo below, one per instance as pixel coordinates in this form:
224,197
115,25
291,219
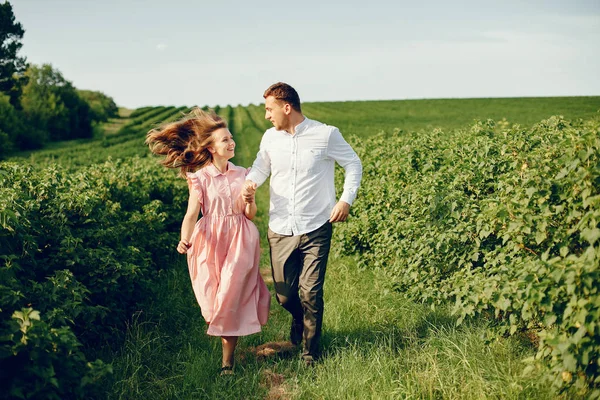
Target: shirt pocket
312,160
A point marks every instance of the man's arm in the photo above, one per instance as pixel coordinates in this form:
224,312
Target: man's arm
343,154
261,168
260,171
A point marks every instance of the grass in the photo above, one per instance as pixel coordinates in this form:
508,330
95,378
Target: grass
366,118
354,118
377,345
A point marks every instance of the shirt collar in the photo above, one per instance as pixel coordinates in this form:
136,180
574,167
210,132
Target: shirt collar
301,126
214,171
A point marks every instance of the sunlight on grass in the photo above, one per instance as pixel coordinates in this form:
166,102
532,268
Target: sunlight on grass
380,346
376,345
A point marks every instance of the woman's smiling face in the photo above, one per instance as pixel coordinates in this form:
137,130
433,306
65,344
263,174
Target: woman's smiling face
223,145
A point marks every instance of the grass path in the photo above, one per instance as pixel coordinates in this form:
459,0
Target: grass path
113,125
376,345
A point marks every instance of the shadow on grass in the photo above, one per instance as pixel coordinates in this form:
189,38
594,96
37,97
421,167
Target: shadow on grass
392,334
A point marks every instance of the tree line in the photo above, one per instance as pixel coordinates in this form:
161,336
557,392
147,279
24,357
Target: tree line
37,103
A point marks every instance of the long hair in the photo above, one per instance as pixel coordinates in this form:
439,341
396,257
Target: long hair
185,142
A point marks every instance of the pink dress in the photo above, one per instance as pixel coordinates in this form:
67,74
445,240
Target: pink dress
223,259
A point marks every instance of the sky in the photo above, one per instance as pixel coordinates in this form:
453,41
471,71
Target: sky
219,52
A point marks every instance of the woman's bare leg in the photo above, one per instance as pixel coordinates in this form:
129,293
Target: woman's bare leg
229,343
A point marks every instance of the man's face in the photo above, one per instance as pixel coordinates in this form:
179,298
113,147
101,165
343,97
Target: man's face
277,112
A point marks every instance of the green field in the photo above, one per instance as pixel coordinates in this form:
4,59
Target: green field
442,284
358,118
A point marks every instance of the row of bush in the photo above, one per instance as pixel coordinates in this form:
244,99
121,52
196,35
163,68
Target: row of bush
79,251
125,142
496,220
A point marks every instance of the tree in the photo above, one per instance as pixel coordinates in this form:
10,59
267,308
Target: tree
15,131
12,67
103,107
51,103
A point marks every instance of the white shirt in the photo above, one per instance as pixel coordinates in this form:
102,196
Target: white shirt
302,168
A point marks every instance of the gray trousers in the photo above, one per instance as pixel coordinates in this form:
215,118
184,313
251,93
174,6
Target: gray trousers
298,265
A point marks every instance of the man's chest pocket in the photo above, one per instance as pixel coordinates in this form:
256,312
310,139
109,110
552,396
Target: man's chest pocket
311,160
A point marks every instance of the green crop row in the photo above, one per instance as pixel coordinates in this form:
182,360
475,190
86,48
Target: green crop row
127,142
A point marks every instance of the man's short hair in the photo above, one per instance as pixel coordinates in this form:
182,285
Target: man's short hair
284,92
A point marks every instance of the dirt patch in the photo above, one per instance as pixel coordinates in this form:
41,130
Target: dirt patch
273,349
275,383
267,275
530,337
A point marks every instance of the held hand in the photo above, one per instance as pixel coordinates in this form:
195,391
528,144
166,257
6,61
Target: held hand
249,196
248,192
340,212
183,246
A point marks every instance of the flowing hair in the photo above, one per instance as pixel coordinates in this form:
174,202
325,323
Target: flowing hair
185,142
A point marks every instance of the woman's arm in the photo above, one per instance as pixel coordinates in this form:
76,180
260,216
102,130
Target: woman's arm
189,221
250,206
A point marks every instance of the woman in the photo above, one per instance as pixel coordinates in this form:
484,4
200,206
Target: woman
222,247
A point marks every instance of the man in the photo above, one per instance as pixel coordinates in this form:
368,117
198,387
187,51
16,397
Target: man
300,154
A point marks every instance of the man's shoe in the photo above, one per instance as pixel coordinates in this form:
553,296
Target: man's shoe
296,332
309,361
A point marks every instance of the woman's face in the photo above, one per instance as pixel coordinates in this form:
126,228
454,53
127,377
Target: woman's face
223,145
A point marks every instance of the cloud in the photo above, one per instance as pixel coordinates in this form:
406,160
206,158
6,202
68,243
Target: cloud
161,47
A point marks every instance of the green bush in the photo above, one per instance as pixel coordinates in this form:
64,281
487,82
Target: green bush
496,220
80,252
